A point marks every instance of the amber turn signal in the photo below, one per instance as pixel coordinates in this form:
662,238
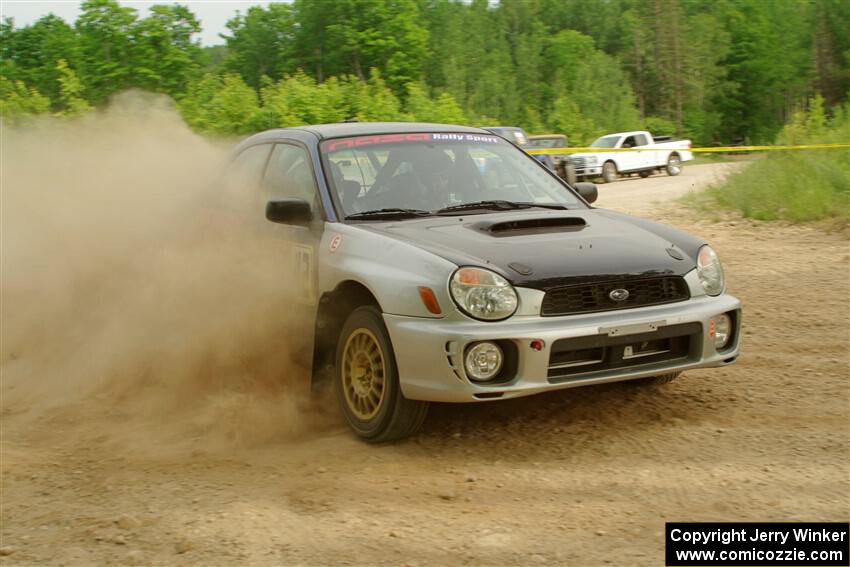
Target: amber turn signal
430,300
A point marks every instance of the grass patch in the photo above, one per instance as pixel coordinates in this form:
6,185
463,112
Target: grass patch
707,158
795,186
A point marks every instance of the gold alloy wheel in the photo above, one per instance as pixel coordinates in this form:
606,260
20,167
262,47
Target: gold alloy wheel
363,374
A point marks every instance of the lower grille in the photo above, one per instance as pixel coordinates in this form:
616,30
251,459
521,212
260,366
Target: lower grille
582,357
590,298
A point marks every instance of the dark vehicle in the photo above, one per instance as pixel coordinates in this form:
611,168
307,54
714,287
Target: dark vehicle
559,164
547,141
441,263
513,134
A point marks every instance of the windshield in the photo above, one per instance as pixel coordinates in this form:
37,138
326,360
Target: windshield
547,142
428,172
605,142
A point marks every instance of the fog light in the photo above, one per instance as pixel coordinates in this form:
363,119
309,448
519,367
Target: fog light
722,330
483,361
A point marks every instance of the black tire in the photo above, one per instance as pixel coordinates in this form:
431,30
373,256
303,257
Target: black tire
394,417
609,172
567,172
674,165
660,379
645,174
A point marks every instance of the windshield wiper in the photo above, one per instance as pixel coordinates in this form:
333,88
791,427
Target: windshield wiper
389,212
497,205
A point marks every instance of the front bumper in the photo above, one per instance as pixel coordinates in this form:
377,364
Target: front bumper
429,352
585,167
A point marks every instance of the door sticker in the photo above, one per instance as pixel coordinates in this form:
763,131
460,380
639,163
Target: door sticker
305,290
335,242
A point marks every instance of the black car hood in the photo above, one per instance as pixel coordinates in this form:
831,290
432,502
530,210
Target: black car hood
545,249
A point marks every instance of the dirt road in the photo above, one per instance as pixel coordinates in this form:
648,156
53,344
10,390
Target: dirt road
585,476
645,197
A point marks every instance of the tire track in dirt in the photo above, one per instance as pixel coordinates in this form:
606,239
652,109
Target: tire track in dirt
579,476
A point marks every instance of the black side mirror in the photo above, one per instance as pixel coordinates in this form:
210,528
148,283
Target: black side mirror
587,191
289,211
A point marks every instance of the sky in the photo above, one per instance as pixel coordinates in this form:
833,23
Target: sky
213,14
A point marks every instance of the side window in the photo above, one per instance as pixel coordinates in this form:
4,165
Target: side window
289,175
629,142
351,165
241,184
640,140
246,169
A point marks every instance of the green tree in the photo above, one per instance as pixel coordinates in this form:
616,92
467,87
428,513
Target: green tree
259,43
713,69
222,105
567,118
30,53
17,101
481,74
71,102
831,49
298,99
167,58
194,103
352,36
373,100
422,108
659,125
770,60
594,83
106,45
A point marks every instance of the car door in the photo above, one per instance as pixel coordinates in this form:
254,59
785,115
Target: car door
289,175
645,159
629,160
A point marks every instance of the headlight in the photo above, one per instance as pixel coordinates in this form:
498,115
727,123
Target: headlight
483,294
591,160
710,271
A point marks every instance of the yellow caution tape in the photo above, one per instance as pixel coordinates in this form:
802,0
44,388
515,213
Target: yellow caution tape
562,151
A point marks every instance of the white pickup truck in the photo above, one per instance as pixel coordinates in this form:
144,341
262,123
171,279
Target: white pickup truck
655,154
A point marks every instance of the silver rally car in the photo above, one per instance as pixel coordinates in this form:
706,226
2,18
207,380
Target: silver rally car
442,263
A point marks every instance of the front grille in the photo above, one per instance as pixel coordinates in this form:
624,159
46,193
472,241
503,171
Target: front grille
589,298
586,357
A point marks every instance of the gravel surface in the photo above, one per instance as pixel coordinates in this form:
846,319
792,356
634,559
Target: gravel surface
585,476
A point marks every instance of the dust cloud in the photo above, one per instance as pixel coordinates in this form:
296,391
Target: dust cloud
138,304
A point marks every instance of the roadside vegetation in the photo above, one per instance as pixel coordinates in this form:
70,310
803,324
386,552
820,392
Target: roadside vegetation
715,72
710,158
804,185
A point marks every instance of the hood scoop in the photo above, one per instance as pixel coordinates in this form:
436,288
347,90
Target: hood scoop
523,227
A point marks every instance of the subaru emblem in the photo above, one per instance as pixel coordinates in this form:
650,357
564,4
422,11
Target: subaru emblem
619,294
